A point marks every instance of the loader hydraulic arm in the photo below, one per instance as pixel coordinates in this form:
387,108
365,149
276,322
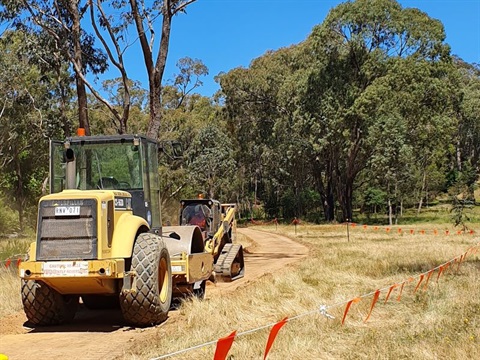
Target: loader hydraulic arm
212,245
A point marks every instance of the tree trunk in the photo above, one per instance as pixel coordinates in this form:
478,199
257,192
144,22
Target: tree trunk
66,125
459,156
329,207
354,163
326,194
390,212
21,219
82,106
156,86
420,202
346,201
19,195
396,202
77,55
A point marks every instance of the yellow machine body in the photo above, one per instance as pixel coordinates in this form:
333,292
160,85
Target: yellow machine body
117,229
100,236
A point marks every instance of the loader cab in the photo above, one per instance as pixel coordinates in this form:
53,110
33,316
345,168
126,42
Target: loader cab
118,162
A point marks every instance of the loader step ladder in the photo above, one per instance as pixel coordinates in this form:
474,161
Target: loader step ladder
230,265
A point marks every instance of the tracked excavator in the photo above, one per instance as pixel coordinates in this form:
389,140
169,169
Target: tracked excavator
218,226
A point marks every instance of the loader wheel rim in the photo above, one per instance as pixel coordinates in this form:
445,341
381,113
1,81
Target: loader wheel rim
163,280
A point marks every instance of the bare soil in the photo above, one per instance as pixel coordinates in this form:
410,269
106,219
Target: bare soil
104,335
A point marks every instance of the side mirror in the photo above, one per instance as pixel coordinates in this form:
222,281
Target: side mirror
68,155
177,150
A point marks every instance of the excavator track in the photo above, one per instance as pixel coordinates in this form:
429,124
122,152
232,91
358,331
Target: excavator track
230,265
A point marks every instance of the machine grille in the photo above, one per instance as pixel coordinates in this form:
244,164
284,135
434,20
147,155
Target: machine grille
67,237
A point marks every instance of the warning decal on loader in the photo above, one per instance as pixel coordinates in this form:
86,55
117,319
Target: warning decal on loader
65,268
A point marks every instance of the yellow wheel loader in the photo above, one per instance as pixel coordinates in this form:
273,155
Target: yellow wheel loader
99,236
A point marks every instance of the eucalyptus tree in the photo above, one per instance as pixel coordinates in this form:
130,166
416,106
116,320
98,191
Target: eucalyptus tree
62,22
188,78
68,22
29,113
414,117
104,121
211,163
144,17
259,114
181,124
358,43
111,21
322,102
467,138
389,163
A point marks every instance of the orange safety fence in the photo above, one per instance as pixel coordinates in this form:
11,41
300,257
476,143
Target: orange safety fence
224,344
408,231
263,222
10,262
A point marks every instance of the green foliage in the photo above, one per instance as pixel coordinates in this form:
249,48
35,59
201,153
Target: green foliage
370,110
211,163
104,122
305,204
182,123
460,212
14,247
462,197
28,117
371,89
374,200
468,136
188,78
258,212
8,219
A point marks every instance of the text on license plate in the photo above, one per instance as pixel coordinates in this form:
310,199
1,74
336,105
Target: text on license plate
67,210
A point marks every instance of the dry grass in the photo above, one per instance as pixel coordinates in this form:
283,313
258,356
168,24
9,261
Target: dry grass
15,247
440,322
10,298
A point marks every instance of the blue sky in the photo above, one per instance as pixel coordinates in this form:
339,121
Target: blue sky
225,34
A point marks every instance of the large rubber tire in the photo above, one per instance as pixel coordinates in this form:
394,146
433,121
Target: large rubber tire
45,306
99,302
149,304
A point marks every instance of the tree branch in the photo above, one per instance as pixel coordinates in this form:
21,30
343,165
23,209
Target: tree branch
118,64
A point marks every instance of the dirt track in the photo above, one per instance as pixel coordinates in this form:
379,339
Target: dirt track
103,334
